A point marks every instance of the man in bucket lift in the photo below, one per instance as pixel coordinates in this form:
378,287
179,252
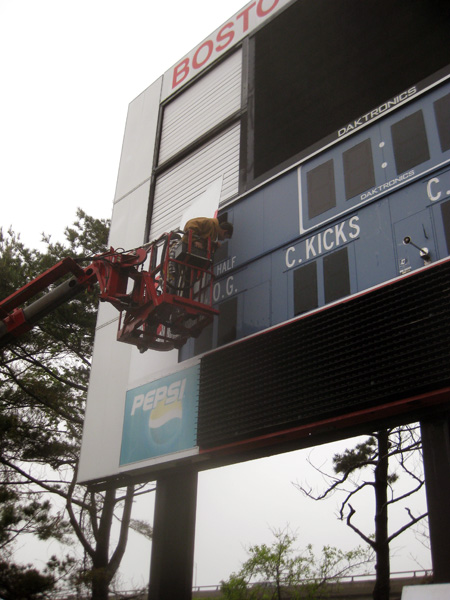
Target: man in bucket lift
203,228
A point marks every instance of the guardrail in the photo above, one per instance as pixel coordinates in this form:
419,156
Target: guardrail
345,579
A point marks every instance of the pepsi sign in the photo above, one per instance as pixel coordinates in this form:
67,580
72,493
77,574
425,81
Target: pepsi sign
161,417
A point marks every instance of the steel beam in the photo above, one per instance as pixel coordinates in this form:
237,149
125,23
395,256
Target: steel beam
436,458
172,560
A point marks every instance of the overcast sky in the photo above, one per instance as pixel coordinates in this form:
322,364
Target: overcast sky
69,70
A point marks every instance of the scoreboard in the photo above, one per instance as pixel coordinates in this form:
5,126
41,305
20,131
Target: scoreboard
322,129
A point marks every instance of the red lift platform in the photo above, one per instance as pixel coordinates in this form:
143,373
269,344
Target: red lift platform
162,290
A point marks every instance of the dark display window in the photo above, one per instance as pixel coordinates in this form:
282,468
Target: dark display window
305,288
321,65
445,210
204,341
359,174
321,189
336,275
227,322
442,112
409,140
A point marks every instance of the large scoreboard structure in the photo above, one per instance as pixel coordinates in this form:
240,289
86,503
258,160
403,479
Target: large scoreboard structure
321,130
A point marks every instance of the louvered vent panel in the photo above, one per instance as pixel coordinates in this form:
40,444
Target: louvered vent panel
176,188
389,344
196,111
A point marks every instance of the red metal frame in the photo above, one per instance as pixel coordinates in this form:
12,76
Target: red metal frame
154,311
162,314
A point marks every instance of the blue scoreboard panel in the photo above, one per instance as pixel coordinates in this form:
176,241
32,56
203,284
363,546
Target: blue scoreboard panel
338,224
362,229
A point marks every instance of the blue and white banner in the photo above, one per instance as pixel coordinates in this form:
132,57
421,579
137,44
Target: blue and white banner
161,417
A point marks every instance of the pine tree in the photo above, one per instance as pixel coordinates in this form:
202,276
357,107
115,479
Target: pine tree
351,468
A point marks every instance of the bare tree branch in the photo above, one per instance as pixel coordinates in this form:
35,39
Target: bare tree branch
412,522
355,529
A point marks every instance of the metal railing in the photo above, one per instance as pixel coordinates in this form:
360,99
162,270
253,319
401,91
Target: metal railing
346,578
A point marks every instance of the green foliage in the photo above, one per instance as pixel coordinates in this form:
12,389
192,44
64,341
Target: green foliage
278,571
361,455
17,582
237,588
142,527
364,454
34,516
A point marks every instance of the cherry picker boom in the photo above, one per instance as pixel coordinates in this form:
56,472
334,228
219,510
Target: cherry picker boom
161,306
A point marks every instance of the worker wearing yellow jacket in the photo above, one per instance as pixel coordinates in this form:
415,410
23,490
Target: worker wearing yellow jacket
203,228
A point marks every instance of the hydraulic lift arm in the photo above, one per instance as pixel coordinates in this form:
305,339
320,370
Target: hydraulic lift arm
160,306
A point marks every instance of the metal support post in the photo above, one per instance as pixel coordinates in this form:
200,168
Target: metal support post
172,560
436,458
